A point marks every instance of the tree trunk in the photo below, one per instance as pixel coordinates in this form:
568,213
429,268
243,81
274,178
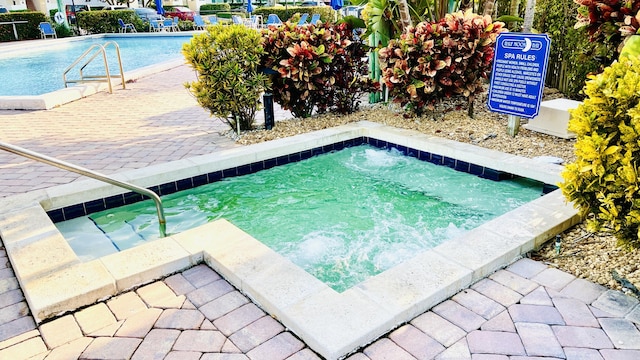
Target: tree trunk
405,16
514,8
441,9
488,7
529,13
465,4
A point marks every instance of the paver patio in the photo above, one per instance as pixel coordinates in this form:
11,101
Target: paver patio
528,310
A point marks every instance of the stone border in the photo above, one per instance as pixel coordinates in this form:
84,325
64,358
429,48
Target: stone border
333,324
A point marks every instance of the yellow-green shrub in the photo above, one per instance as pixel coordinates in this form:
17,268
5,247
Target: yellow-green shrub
603,181
226,60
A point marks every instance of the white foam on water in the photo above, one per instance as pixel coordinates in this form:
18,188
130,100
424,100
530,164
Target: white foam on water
318,245
382,158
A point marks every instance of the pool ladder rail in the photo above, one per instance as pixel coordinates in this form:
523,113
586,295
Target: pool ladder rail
89,55
92,174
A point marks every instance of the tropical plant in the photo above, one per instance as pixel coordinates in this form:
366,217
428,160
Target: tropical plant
350,69
604,182
387,18
317,67
380,21
631,47
432,61
571,57
609,22
226,60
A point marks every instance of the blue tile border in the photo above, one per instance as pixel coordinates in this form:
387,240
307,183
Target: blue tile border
83,209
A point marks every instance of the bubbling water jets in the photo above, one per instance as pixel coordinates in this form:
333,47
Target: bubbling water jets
373,160
383,158
322,245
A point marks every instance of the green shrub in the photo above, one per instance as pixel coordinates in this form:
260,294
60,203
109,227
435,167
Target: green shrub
226,59
571,57
432,61
350,69
26,31
604,181
62,31
209,9
318,67
631,47
185,25
608,23
106,21
220,6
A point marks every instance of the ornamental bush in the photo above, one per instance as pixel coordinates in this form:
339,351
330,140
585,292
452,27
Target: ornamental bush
319,67
609,22
571,56
432,61
604,181
226,59
208,9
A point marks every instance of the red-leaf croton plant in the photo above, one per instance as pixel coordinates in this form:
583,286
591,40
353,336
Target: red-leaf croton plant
321,67
434,60
609,22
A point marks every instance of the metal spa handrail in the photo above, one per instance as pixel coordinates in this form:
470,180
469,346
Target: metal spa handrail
99,50
92,174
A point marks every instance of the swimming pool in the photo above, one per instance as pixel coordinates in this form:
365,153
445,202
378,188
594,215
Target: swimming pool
343,216
36,70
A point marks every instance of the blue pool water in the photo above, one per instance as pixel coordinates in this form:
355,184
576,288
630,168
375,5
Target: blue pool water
39,71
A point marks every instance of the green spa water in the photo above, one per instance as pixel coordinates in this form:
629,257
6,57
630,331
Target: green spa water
343,216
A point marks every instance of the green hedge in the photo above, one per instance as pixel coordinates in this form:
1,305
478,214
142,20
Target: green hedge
106,21
26,31
327,14
210,9
228,14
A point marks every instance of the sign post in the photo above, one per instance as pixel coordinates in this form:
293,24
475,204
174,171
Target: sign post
519,70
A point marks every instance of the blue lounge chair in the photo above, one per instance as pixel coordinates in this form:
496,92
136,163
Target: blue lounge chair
198,23
167,24
315,19
174,26
47,30
256,21
125,27
213,20
273,19
237,20
303,19
155,25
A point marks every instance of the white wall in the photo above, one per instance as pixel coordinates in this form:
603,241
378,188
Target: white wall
195,4
14,4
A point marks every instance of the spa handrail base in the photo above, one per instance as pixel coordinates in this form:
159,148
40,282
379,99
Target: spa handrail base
92,174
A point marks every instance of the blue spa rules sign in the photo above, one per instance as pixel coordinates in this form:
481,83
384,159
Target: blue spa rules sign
519,69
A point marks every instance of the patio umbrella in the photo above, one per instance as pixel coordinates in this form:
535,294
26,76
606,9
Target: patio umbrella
337,4
159,8
249,7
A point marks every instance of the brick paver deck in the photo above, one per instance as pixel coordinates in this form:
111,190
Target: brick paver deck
524,311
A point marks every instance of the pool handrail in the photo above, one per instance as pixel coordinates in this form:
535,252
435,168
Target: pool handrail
61,164
101,49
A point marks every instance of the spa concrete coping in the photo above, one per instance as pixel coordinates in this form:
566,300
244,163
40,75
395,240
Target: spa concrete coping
333,324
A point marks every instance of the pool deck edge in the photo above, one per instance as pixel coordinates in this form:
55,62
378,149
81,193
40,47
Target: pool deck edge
333,324
66,95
